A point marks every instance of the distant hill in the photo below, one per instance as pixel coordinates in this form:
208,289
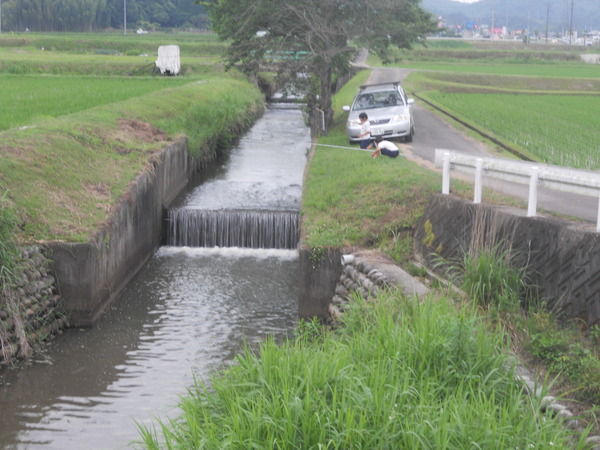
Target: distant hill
517,14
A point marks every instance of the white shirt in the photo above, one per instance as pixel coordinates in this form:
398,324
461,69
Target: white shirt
365,127
387,145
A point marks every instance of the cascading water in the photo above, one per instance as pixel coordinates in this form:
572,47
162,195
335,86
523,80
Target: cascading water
186,314
255,203
248,229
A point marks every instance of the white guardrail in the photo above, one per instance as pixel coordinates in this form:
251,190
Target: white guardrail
553,177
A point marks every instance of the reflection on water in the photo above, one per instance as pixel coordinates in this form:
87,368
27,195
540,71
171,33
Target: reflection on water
188,312
264,171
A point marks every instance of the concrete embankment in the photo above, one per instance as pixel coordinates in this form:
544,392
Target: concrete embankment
91,274
561,257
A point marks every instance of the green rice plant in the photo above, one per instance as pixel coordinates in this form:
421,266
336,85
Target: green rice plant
31,97
89,43
398,374
558,70
523,122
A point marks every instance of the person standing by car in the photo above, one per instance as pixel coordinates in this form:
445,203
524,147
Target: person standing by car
386,148
365,130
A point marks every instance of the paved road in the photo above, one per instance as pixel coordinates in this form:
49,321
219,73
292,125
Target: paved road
432,132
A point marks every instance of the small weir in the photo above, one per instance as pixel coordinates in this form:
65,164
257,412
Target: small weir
247,229
226,277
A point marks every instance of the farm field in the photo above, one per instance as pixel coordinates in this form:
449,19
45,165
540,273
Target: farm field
113,43
26,98
104,54
547,112
554,129
566,70
50,75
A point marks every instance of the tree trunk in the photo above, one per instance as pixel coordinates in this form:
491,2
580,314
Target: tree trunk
325,75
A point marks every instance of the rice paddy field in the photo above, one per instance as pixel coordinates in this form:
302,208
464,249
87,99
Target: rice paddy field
548,112
50,75
27,98
557,129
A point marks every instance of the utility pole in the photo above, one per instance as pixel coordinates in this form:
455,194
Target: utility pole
547,16
125,17
0,16
571,24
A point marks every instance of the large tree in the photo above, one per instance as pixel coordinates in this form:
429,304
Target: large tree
326,32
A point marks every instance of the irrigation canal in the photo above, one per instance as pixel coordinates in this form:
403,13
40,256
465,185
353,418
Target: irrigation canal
187,313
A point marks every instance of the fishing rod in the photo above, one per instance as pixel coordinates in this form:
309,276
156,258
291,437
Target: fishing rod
351,148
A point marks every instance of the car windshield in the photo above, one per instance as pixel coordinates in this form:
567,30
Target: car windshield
383,99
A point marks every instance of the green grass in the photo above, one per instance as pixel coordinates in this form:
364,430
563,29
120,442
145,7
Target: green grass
574,70
64,175
351,199
190,44
398,374
28,98
107,54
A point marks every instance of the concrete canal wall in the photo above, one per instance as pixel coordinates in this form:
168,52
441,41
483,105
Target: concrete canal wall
562,257
91,274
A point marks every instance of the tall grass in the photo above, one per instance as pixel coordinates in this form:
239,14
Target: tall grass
9,254
398,374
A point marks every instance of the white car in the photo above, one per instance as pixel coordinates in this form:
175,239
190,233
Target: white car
389,111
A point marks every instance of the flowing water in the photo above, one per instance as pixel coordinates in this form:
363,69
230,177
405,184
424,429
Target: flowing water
186,314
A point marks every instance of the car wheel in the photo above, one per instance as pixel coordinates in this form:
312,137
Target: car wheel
409,137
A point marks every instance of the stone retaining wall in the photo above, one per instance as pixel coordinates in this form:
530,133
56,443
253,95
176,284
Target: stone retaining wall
562,257
30,312
364,273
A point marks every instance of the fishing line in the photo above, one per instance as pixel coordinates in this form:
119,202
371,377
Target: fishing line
351,148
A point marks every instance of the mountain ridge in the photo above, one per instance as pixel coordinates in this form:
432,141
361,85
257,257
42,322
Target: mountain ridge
520,14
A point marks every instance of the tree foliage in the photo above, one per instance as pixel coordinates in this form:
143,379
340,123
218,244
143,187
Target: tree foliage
89,15
329,31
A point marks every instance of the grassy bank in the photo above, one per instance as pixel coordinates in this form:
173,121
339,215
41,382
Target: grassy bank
350,199
64,175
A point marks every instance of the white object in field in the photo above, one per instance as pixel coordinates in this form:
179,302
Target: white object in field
168,59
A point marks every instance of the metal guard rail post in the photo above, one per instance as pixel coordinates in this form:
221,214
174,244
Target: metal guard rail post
576,181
